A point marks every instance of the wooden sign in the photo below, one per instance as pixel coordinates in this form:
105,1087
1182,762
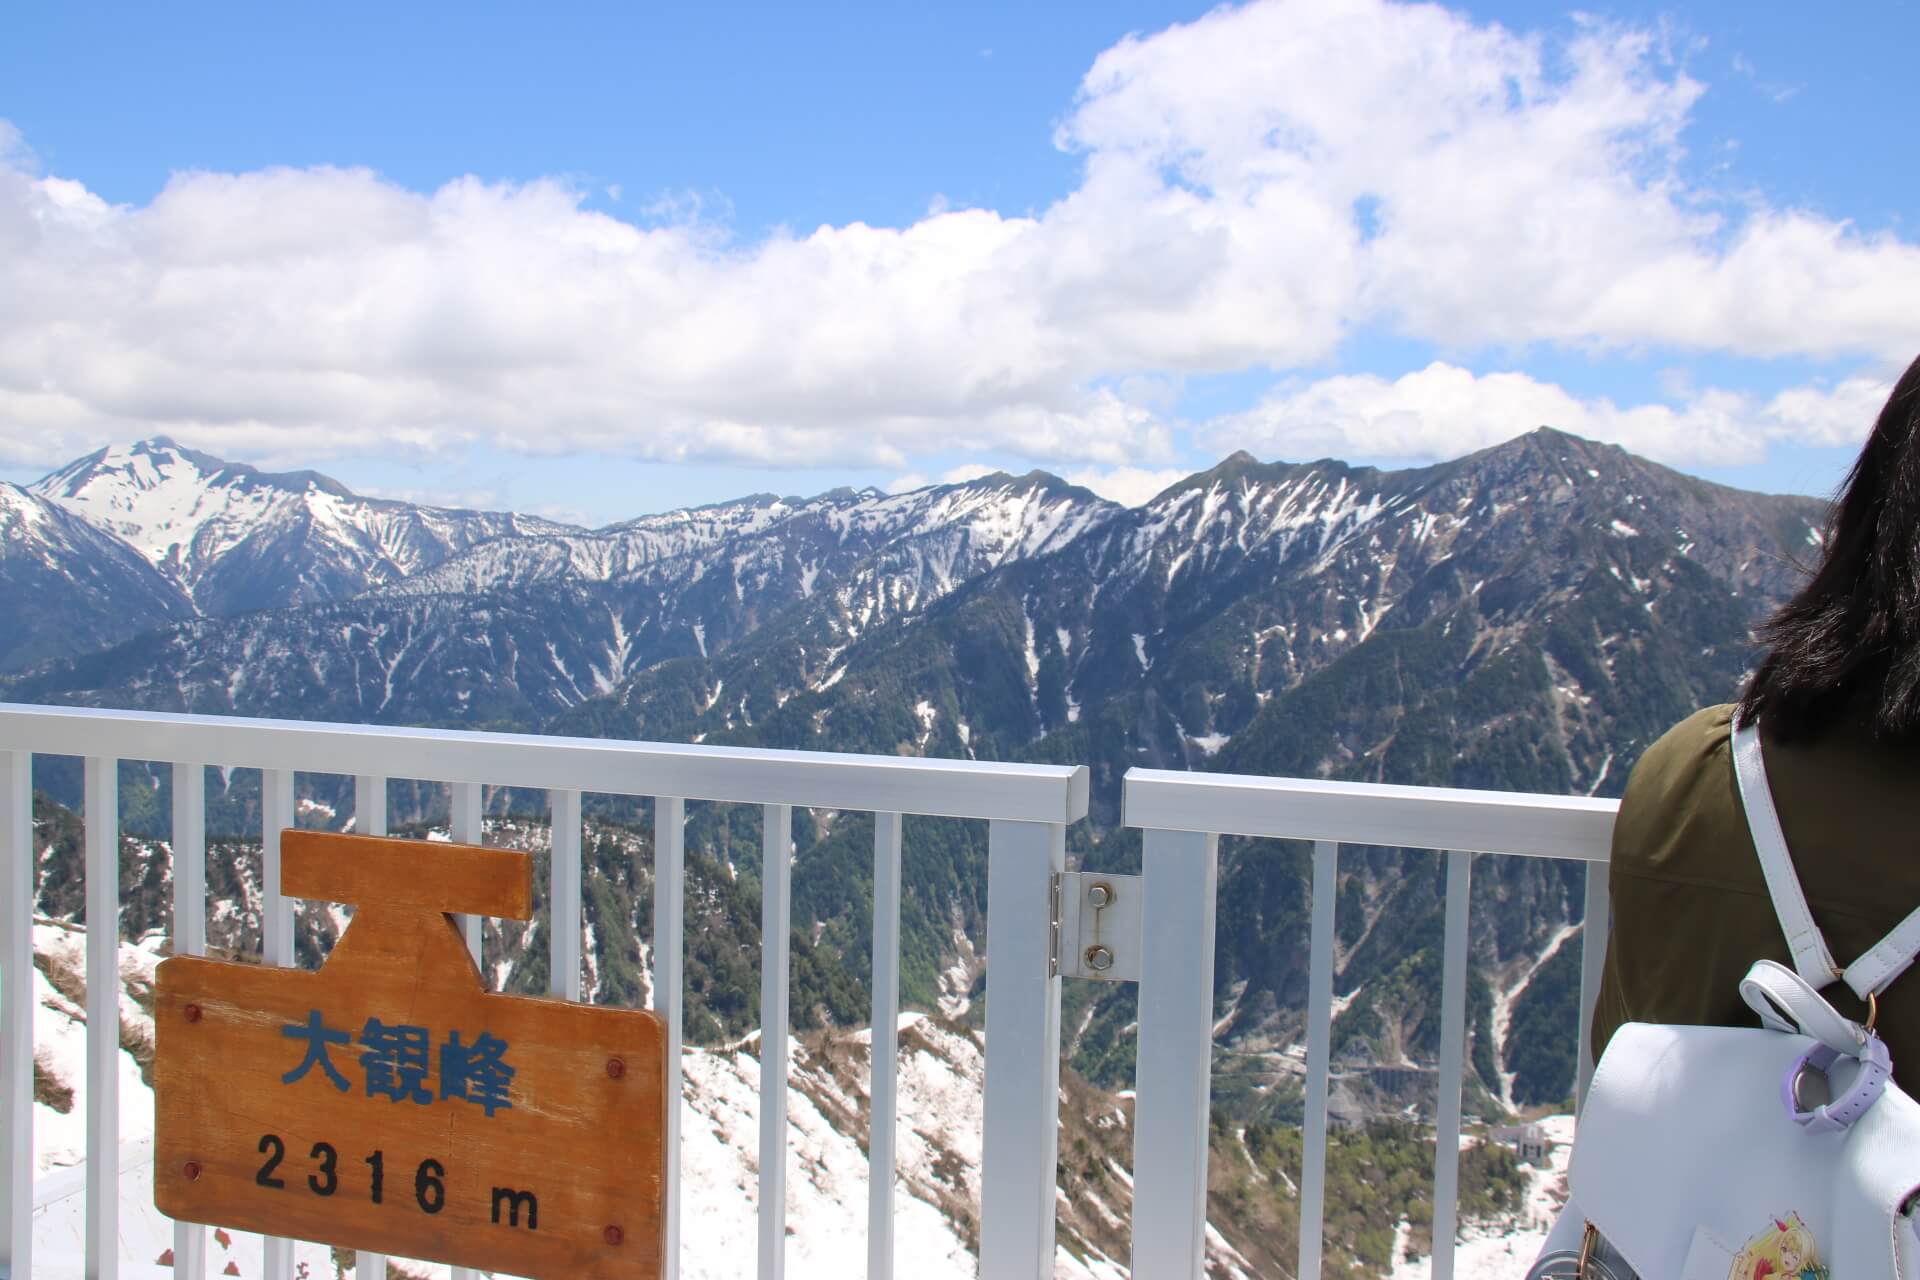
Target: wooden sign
388,1102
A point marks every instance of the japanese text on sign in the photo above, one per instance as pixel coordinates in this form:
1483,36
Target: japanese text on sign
396,1063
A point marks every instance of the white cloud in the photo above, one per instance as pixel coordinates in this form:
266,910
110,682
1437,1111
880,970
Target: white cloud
1839,415
1520,189
1128,486
1443,411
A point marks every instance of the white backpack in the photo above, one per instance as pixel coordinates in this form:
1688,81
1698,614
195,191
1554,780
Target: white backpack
1730,1153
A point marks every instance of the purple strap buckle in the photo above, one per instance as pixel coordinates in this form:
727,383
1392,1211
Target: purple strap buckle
1808,1080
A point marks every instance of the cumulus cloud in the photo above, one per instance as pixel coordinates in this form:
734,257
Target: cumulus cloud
1257,186
1443,411
1128,486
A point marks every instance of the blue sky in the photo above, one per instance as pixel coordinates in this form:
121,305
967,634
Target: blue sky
410,326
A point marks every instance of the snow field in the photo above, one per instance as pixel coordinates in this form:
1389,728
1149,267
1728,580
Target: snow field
1503,1252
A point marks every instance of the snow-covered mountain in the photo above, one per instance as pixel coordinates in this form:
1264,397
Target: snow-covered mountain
617,553
785,548
524,626
1188,615
236,538
69,587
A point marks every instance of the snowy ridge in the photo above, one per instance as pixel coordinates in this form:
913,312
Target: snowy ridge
1243,508
87,587
235,537
943,535
617,553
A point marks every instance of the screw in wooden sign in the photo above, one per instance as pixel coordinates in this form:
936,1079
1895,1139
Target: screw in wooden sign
389,1102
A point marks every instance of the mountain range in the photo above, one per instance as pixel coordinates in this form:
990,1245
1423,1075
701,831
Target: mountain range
1527,617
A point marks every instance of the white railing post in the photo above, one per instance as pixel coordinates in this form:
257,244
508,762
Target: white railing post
1313,1150
189,860
669,984
1453,1053
103,1017
276,937
16,1014
563,897
465,828
884,1056
369,805
1174,1058
189,939
776,891
1593,963
276,909
369,819
1020,1148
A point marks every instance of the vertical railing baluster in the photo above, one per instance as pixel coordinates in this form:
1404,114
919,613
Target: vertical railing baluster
189,860
370,805
884,1056
16,1013
464,823
276,935
1174,1057
189,939
776,881
276,815
1453,1047
464,827
669,984
1313,1157
370,819
102,783
563,897
1593,962
1020,1147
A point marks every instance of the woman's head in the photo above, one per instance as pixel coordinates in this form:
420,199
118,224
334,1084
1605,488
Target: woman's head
1853,632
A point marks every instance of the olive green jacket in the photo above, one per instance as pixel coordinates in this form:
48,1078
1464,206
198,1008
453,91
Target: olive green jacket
1690,906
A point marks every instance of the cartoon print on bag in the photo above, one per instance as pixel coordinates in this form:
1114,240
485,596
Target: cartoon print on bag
1786,1250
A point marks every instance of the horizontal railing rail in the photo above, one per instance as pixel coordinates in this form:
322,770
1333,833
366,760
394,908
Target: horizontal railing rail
1027,808
739,775
1182,816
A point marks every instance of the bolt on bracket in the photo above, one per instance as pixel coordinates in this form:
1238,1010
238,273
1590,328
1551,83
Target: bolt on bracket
1099,926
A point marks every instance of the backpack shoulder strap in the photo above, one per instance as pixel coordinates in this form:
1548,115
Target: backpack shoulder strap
1875,971
1871,973
1810,955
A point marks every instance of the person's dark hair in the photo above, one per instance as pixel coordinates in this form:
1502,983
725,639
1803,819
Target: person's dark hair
1854,630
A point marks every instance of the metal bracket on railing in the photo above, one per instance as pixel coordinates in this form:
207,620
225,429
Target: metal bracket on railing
1097,926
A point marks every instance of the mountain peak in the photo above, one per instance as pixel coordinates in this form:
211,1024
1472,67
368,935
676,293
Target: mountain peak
1035,481
1555,449
1241,467
159,463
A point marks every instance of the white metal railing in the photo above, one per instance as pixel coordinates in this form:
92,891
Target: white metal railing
1183,815
1027,807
